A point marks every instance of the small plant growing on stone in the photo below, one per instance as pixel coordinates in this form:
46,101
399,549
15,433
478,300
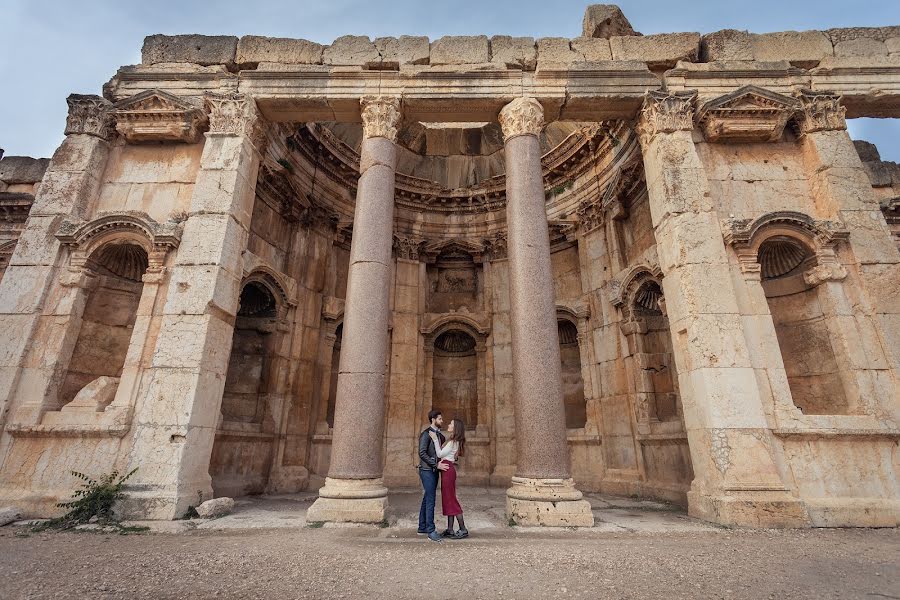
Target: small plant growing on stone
315,524
93,503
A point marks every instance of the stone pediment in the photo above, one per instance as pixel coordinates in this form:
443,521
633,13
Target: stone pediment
749,114
157,116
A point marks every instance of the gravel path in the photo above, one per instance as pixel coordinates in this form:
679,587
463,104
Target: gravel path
496,563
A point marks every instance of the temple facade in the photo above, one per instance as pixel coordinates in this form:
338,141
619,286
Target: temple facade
644,265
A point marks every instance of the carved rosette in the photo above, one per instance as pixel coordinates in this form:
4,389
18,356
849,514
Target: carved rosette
380,116
89,115
522,116
820,111
235,114
665,112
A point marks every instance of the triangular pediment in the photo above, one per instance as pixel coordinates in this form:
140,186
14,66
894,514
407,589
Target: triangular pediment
748,114
154,101
751,97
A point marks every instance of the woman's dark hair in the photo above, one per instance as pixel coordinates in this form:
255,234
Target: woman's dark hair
433,414
459,434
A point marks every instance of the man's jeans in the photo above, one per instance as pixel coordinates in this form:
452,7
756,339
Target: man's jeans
426,512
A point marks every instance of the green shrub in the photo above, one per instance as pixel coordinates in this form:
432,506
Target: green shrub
95,498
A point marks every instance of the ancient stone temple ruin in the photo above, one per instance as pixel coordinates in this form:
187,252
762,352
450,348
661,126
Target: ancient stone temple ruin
639,264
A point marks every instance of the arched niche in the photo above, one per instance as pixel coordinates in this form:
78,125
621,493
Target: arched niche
572,381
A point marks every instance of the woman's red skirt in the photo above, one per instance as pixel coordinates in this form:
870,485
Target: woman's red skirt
449,504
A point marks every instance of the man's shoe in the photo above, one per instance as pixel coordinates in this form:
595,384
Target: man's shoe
447,533
434,537
461,534
421,532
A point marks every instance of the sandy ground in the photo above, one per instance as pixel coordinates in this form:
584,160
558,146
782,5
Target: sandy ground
266,550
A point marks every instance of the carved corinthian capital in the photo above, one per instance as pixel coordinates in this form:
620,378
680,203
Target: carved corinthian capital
235,114
522,116
90,115
820,111
666,112
380,115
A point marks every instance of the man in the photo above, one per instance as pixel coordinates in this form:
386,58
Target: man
429,472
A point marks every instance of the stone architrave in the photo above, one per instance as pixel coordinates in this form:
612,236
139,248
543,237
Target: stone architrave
354,490
70,185
542,491
737,479
175,425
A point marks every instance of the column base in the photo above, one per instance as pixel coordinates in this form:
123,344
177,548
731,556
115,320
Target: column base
547,503
766,509
350,501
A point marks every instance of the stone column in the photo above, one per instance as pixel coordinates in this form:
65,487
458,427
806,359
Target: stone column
843,191
739,475
181,397
354,490
35,315
542,492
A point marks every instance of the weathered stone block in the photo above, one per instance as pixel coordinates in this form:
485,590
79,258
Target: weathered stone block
22,169
351,50
844,34
605,21
555,50
726,45
200,49
460,50
405,50
860,47
591,49
254,49
801,48
662,50
217,507
9,514
514,52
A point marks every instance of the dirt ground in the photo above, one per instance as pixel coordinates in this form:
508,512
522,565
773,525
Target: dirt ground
266,550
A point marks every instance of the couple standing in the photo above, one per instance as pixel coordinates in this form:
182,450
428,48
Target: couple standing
437,460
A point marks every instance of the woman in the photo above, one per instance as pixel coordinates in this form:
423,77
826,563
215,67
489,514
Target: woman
449,454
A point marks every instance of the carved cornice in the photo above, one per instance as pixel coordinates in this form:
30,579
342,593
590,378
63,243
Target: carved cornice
665,112
522,116
820,111
332,308
496,246
82,234
235,114
432,250
275,187
612,204
157,116
14,207
380,115
89,115
749,114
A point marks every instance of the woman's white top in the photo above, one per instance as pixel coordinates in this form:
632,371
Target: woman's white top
448,452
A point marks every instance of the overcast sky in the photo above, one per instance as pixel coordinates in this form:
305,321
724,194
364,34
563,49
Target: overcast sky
51,48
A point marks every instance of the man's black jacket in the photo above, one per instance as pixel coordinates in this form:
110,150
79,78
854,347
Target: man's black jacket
427,452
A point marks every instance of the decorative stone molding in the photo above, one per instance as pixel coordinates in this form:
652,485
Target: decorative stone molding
747,235
332,308
630,294
665,112
431,250
380,115
157,116
408,248
522,116
275,187
496,246
594,212
478,325
831,271
87,235
258,270
749,114
235,114
89,115
820,111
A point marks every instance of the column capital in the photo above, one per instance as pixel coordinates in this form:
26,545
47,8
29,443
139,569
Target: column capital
90,115
665,112
522,116
380,115
234,114
820,111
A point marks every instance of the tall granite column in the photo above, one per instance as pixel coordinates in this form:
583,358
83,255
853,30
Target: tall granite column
181,395
354,490
739,476
542,491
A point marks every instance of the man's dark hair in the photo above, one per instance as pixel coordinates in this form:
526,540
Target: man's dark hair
433,414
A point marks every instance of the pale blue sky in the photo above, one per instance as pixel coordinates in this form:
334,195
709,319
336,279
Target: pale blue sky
51,48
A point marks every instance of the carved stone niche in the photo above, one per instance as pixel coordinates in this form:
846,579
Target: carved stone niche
157,116
749,114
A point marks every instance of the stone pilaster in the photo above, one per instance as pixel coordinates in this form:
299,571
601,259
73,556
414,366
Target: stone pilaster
843,192
180,402
738,480
354,489
31,332
542,491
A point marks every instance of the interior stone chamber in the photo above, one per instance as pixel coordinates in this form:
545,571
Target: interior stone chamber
643,265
